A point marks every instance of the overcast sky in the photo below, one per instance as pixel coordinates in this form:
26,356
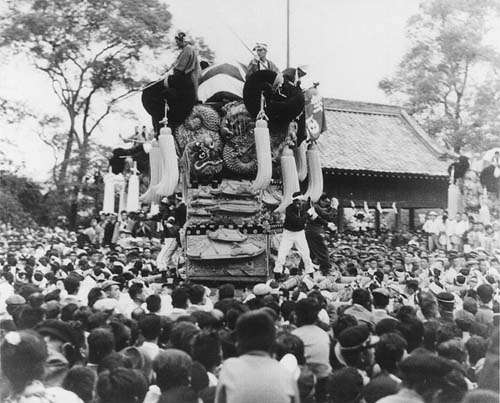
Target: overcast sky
349,45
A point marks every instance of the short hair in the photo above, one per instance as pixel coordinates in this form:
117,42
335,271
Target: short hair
206,349
343,322
255,330
122,385
94,295
307,311
380,300
68,312
476,347
121,333
196,294
345,385
135,289
150,326
453,349
80,380
114,360
389,351
101,342
361,297
485,293
172,368
23,360
412,330
288,343
153,303
71,284
180,298
226,291
182,335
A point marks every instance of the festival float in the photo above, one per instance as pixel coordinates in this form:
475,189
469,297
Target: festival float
237,158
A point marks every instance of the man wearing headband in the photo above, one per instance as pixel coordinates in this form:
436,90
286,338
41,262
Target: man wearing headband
296,215
260,61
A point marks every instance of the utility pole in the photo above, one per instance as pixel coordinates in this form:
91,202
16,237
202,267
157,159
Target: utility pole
287,33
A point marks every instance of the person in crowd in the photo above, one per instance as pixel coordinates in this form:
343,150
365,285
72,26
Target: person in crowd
121,385
22,356
316,342
241,379
96,310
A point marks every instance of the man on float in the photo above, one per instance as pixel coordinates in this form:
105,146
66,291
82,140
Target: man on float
260,61
179,89
296,216
187,62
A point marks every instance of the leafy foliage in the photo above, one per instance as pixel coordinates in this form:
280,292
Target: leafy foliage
443,80
21,200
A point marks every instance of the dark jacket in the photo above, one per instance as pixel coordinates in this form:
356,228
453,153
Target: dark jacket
295,217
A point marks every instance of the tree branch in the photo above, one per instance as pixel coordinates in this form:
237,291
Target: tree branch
108,109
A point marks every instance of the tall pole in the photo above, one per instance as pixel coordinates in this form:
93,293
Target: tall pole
287,33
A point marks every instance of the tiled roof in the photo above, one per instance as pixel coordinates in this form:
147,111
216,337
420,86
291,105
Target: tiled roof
377,138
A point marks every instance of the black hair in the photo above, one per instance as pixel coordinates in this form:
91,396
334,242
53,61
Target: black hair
80,380
412,330
150,326
23,362
453,349
180,298
287,343
345,385
121,333
94,295
72,285
362,297
196,294
134,290
380,301
206,349
122,385
153,303
226,291
114,360
389,351
182,335
343,322
307,311
476,348
101,342
68,312
255,331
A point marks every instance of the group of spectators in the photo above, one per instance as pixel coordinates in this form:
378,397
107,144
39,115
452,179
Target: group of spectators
462,232
109,228
393,321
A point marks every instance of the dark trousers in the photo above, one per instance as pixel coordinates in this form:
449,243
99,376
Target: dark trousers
180,95
318,249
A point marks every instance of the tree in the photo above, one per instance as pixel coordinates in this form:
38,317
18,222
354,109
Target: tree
91,51
443,78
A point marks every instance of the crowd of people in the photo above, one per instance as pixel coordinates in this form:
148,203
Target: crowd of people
394,319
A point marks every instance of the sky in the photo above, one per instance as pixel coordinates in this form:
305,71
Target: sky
348,46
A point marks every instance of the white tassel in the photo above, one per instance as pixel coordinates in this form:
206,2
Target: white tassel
123,199
290,179
170,176
155,171
133,191
264,158
109,193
